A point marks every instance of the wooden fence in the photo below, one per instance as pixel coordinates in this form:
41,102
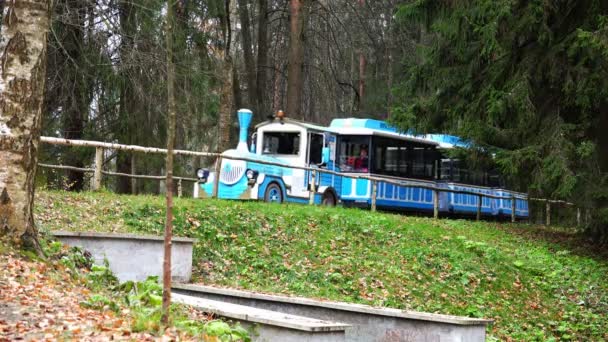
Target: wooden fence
98,173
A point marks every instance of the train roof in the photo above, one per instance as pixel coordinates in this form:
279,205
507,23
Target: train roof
354,126
448,141
306,125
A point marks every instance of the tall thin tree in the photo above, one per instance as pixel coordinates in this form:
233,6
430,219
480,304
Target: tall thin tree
227,88
248,55
169,180
362,63
298,10
262,60
23,38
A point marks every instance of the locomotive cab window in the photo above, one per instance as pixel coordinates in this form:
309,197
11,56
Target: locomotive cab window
284,143
315,148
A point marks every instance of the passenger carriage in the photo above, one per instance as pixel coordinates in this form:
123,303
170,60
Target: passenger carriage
349,148
393,156
455,175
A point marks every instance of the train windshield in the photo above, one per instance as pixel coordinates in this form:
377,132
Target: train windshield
283,143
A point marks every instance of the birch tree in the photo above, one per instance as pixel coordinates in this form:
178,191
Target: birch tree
23,61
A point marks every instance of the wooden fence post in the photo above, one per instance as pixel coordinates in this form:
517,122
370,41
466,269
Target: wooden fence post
313,187
374,192
133,172
548,213
436,204
98,168
179,188
216,180
513,208
479,198
578,217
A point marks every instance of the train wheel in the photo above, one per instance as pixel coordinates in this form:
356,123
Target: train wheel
273,194
328,199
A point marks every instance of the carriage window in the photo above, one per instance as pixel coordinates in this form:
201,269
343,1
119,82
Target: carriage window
494,179
446,169
418,167
390,157
354,153
401,158
286,143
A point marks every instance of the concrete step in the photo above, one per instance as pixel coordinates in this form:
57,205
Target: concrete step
270,325
367,323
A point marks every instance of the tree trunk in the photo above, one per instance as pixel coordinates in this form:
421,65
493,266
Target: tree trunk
362,64
295,82
389,65
236,89
276,97
248,54
262,62
226,104
170,141
75,96
128,101
23,46
227,88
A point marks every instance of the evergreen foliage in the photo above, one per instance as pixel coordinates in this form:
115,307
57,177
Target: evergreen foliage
527,80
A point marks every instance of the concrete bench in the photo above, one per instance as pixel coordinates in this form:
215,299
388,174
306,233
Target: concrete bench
133,257
270,325
367,323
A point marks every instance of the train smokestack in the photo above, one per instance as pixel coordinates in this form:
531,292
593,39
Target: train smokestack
245,116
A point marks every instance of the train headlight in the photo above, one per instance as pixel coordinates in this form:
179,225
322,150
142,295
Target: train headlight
252,176
202,175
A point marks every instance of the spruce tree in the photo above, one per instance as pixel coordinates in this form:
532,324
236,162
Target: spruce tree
527,80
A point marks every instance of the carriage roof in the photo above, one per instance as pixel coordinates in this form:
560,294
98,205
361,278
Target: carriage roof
352,126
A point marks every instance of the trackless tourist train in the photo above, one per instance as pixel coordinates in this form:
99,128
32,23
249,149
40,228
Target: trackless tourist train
352,148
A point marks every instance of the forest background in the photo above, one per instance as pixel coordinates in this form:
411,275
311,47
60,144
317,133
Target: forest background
523,80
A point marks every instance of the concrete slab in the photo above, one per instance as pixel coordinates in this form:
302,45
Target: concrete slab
367,323
270,325
133,257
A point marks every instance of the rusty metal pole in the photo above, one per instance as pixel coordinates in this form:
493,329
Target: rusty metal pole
374,192
548,213
313,188
436,204
216,179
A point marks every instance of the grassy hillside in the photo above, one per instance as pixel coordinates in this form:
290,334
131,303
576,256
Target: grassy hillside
535,284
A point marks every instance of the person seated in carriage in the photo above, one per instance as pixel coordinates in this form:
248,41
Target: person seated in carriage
362,162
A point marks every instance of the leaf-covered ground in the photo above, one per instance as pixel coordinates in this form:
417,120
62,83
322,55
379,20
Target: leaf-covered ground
536,284
40,301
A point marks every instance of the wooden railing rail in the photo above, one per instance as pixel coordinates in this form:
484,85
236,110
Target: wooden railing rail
315,172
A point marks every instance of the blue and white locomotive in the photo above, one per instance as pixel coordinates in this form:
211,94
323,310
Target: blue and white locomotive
351,148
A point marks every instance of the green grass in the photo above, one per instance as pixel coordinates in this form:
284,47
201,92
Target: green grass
535,284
